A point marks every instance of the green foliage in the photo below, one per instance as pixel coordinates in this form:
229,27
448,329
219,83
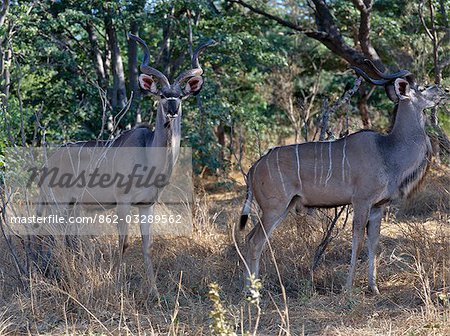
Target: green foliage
54,81
444,119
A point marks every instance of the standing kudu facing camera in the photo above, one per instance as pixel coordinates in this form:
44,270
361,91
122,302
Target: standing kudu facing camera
165,136
365,169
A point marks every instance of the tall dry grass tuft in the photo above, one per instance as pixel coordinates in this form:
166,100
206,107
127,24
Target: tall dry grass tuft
83,288
425,257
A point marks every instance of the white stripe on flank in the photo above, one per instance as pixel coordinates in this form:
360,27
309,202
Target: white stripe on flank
279,172
321,164
297,154
330,164
315,163
344,153
267,164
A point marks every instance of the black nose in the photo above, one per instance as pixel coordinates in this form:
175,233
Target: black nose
447,90
172,107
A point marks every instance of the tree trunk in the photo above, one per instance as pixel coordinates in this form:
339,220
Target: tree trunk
5,64
133,73
220,134
165,49
363,106
163,60
5,75
107,59
5,56
118,94
96,55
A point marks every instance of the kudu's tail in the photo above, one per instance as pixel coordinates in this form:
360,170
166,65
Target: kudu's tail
248,201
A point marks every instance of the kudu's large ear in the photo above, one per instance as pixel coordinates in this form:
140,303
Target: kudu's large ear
148,84
402,89
193,86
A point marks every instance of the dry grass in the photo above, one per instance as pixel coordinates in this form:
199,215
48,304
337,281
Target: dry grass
87,296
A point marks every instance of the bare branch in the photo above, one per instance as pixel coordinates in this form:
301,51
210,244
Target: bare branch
346,96
327,32
326,111
272,17
238,158
422,20
327,237
365,9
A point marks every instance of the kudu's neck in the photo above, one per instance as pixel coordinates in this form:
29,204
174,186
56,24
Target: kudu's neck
167,132
409,122
407,147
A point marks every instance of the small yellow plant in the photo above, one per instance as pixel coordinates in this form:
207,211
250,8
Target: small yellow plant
219,326
254,295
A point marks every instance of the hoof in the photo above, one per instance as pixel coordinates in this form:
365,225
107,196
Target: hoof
374,290
347,288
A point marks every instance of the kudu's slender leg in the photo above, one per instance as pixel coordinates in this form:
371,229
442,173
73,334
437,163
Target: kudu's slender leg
255,245
360,217
145,216
258,237
373,237
123,210
72,231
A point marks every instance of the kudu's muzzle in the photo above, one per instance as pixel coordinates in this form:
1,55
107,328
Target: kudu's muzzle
173,107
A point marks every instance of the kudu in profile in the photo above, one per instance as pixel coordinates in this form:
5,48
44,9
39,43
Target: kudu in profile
365,169
165,136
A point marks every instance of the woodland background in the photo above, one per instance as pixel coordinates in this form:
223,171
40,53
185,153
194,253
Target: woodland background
67,67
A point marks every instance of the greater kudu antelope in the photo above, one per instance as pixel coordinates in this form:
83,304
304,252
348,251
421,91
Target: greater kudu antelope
165,136
365,169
